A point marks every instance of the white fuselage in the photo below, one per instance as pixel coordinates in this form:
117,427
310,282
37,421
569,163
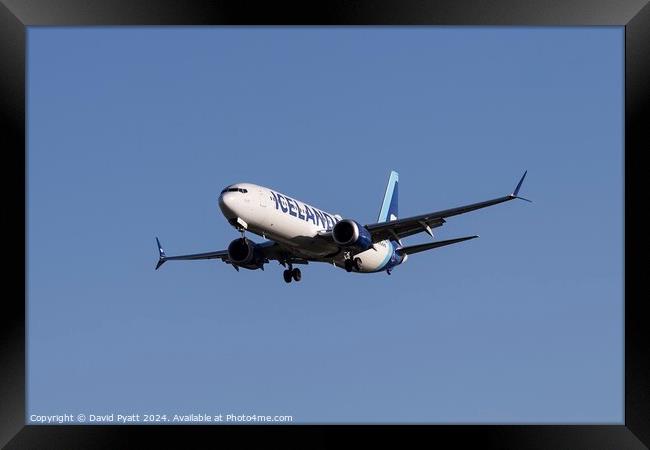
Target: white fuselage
294,224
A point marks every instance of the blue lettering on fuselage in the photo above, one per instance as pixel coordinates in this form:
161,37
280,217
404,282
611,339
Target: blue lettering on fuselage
276,199
319,217
310,215
326,220
330,221
289,206
282,205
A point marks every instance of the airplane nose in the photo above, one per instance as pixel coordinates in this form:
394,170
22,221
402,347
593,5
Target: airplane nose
227,205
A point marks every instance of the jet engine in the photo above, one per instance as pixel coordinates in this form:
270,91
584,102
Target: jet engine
349,233
244,253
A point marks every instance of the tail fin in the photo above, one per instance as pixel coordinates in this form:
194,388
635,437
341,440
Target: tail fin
388,209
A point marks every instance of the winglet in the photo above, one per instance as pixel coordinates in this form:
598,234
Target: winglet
162,258
515,194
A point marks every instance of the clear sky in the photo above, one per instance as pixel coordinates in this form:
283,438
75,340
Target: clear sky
133,132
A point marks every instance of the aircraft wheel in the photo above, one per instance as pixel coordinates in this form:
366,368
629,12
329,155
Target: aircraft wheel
357,263
296,274
348,265
287,276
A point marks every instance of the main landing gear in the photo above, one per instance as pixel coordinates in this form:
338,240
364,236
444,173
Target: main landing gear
350,264
290,274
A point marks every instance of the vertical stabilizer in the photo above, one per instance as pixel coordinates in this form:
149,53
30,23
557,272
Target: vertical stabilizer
388,209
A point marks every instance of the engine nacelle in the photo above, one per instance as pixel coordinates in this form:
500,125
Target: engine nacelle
244,253
349,233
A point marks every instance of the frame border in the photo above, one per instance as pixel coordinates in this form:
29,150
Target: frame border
17,15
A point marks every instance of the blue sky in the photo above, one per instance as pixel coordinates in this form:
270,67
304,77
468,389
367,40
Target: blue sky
133,132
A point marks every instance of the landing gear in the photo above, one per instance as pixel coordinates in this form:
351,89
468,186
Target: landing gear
291,273
287,276
350,264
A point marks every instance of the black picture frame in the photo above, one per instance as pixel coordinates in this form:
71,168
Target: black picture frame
16,15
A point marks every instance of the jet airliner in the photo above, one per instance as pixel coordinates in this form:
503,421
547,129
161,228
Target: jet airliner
299,233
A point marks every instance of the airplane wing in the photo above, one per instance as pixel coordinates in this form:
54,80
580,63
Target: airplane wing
400,228
270,250
221,254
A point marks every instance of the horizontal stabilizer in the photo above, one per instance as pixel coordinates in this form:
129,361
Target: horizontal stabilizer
422,247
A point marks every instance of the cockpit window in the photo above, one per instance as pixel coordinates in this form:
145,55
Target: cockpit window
243,191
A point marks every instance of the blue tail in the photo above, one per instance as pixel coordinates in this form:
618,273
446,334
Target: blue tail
388,209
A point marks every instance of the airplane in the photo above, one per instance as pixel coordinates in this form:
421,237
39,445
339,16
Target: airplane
300,233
